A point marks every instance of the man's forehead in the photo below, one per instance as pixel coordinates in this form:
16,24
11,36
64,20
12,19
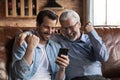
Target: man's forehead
68,22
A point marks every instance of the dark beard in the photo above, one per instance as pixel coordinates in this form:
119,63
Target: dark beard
41,35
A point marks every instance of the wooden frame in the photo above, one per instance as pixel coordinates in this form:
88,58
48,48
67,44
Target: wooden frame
11,9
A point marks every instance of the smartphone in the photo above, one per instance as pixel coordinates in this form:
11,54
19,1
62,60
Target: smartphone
63,51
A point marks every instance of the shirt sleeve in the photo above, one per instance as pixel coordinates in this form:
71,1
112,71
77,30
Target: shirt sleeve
99,47
20,67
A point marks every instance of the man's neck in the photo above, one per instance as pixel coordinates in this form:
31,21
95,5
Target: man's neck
79,35
42,42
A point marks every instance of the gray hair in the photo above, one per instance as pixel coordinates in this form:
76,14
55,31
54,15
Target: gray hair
66,14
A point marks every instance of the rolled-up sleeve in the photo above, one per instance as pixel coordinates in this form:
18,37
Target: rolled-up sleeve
20,67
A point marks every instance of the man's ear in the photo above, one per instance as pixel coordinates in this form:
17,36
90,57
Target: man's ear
79,23
37,25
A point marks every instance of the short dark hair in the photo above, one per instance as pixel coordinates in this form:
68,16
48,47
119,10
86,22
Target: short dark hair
52,15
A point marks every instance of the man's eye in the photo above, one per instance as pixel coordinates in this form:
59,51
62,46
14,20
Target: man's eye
46,27
53,28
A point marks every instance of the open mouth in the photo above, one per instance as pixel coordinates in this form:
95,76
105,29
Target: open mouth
47,35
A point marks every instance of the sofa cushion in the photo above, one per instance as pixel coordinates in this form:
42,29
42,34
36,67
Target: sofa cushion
111,37
7,36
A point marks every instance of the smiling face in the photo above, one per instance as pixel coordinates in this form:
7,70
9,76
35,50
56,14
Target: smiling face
71,29
46,29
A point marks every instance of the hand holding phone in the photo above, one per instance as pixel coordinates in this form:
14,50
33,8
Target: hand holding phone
62,61
63,51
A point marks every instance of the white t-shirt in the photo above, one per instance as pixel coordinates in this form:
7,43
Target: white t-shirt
42,72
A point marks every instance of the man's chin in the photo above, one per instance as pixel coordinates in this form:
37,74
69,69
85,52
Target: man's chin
71,39
47,38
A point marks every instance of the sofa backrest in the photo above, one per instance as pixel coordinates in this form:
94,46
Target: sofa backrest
111,37
7,36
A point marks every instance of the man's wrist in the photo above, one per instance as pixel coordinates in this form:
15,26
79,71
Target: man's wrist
62,69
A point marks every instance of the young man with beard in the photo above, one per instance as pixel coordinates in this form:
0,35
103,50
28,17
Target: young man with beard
35,58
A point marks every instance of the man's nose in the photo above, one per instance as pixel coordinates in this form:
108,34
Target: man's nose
50,31
68,30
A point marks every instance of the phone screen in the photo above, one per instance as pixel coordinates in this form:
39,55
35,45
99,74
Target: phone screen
63,51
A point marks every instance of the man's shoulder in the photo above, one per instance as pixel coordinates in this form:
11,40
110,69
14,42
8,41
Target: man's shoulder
54,43
58,36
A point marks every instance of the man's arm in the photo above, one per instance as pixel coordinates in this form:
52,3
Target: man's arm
99,47
32,42
63,62
23,56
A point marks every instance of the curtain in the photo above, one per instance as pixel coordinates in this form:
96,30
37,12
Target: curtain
87,11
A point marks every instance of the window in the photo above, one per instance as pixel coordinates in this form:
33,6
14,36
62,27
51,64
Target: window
105,12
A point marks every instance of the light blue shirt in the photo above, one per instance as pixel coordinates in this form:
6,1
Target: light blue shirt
86,54
23,71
